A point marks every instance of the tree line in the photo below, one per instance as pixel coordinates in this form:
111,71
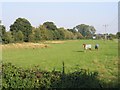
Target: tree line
22,31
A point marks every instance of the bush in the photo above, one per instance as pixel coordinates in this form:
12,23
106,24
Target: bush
16,77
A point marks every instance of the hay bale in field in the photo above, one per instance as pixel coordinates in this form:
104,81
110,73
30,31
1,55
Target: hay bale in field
55,42
7,46
3,47
19,45
13,45
41,46
44,46
37,45
0,45
26,45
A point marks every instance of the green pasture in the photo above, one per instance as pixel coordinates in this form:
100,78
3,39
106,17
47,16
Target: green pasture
105,60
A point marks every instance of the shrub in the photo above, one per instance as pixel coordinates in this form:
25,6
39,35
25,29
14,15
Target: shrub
16,77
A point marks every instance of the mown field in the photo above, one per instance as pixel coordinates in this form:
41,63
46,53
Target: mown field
51,56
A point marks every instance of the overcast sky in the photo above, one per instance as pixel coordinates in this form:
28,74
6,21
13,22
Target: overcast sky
64,14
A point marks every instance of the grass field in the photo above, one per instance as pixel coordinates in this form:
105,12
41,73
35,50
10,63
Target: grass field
105,60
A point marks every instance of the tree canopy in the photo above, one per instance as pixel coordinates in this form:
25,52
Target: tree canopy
23,25
2,32
118,35
50,25
22,31
85,30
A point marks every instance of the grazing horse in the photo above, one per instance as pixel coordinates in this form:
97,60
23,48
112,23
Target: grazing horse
87,46
96,46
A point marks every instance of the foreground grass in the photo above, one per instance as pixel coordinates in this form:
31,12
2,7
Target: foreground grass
105,61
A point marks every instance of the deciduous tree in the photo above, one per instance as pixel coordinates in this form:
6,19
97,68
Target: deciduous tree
22,24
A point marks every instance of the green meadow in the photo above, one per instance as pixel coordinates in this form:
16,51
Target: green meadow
71,52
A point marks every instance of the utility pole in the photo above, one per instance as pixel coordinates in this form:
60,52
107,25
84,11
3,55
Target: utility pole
105,31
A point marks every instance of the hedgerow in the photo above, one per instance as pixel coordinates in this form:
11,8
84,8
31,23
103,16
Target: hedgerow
16,77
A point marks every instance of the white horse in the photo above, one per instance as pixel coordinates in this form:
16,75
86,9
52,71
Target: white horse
87,46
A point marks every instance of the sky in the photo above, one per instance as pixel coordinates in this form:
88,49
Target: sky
63,14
